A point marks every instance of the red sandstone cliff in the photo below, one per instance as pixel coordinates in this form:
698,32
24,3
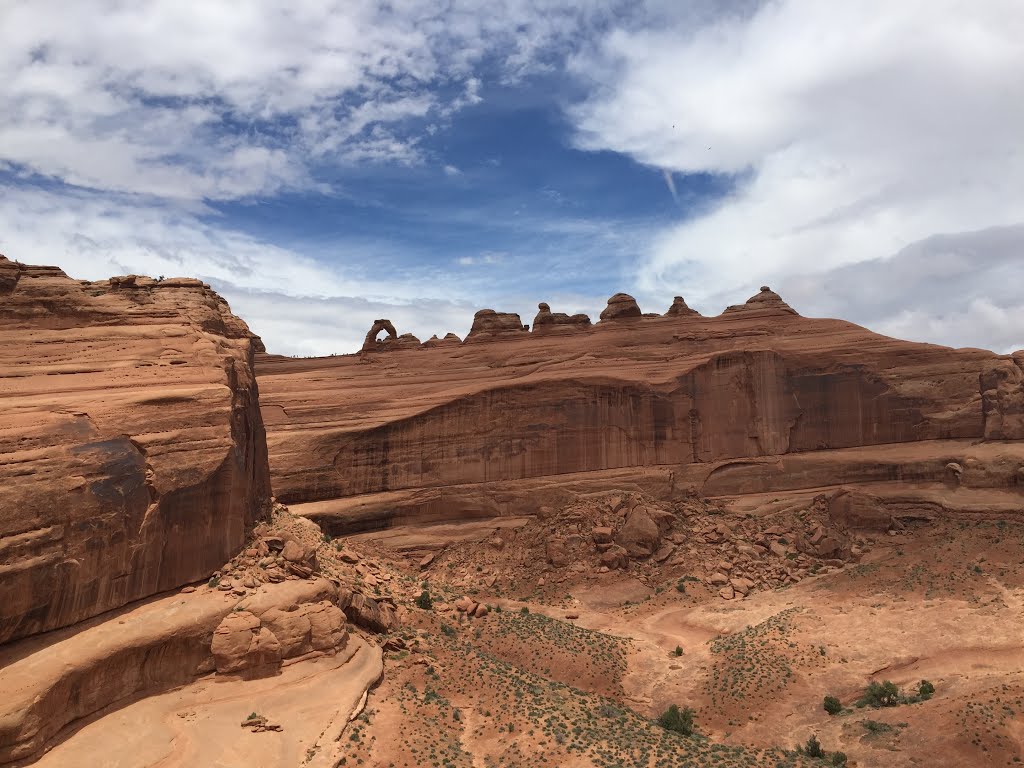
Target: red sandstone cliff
707,399
132,450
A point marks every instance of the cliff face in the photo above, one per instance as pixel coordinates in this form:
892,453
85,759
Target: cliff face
683,392
132,449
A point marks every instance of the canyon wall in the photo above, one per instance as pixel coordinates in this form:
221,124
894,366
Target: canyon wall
132,450
632,391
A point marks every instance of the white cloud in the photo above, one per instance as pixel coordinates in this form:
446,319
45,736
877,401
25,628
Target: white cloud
853,129
218,100
483,258
297,303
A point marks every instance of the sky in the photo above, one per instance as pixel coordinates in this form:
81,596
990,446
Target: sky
322,164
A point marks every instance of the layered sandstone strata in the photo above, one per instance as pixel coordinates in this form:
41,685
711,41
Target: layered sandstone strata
731,402
132,450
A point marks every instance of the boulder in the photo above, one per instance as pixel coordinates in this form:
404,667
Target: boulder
292,629
614,557
639,535
240,644
621,306
326,625
664,552
366,612
558,552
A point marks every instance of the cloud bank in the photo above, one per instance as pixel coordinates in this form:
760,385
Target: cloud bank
856,132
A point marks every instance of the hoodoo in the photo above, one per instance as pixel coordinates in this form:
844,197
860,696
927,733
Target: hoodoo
547,321
679,308
621,306
488,324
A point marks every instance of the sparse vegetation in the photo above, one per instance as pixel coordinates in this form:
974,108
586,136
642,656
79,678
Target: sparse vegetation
424,601
832,705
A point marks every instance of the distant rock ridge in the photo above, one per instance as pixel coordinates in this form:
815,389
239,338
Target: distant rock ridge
488,324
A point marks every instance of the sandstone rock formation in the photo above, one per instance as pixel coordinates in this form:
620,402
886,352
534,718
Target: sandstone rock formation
547,321
383,324
488,324
132,450
680,309
766,299
755,401
434,341
621,306
391,342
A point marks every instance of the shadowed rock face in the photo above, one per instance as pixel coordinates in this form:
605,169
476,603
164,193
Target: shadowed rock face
132,450
726,403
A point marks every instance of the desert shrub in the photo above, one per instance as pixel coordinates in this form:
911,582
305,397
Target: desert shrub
832,705
424,601
884,694
213,582
679,650
813,747
448,630
524,610
839,759
925,690
873,726
678,720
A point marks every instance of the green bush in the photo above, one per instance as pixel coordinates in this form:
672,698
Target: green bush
678,720
424,601
832,705
838,759
813,747
679,650
873,726
884,694
925,690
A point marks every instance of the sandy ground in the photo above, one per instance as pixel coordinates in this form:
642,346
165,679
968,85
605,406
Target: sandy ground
198,726
944,603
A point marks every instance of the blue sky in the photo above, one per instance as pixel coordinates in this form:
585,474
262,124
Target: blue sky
325,163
